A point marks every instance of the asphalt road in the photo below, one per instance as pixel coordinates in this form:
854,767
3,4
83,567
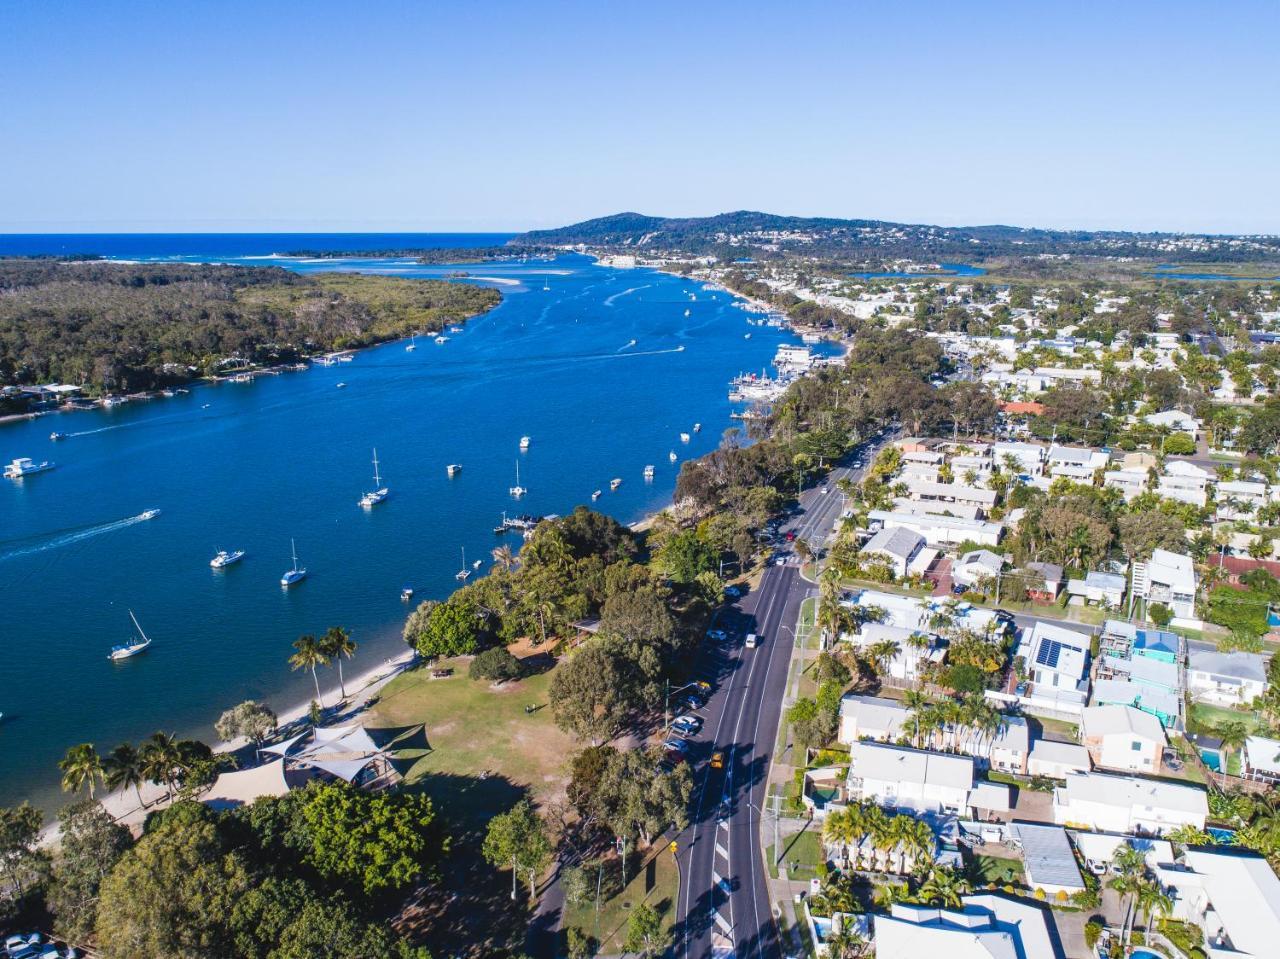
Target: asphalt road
724,906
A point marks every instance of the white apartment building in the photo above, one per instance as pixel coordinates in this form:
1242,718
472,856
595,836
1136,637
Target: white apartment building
1128,804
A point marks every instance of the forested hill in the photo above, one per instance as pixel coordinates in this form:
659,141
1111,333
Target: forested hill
747,233
120,327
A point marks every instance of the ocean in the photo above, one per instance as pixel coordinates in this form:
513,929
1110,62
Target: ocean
602,368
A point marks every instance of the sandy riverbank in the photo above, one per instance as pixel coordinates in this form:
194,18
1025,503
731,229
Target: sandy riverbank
362,690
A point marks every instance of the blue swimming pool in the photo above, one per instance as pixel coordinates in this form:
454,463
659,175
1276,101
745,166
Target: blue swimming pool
1145,954
1223,837
1212,758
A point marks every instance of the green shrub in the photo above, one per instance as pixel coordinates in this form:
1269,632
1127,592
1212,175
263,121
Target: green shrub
496,665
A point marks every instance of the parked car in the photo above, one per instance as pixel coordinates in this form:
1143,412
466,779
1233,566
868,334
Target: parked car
703,687
717,635
686,725
733,591
692,702
676,745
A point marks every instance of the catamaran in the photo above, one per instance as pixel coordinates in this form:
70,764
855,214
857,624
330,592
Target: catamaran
224,559
517,491
297,573
134,646
462,574
379,492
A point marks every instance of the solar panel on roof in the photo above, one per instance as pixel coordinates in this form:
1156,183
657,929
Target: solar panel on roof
1048,653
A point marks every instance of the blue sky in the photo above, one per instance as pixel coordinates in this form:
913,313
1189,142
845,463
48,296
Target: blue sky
493,116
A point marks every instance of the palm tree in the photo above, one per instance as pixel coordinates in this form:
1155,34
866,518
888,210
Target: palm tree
80,767
161,756
1129,865
122,769
916,703
1233,734
845,943
944,887
310,654
336,644
885,894
1151,899
504,558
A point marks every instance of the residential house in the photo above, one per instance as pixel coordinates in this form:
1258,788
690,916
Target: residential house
1168,578
941,530
1056,658
1232,896
918,614
949,493
1053,581
1057,760
1075,462
919,780
975,566
897,546
1225,679
1098,587
1028,456
1174,420
1131,483
1260,759
1121,737
1128,805
1048,858
987,927
1237,499
1184,482
869,717
916,647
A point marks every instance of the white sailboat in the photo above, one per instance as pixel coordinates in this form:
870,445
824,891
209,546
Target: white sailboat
462,574
546,285
413,343
134,646
296,573
379,492
524,442
517,491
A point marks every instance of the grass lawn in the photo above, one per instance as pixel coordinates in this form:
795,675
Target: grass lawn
808,613
482,754
1058,729
997,869
804,849
1204,718
475,730
657,883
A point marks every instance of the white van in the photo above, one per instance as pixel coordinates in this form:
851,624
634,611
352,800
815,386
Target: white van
751,641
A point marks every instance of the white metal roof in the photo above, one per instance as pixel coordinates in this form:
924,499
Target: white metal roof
1048,856
895,764
1246,895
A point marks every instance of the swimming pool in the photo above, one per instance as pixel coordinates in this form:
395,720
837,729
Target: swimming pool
1223,837
1145,954
1212,758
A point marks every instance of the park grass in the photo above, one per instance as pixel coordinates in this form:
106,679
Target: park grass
477,733
804,850
657,883
808,616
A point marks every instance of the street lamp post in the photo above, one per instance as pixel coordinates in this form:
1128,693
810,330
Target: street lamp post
666,703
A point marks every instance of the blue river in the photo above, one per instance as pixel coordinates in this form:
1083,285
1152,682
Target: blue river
603,369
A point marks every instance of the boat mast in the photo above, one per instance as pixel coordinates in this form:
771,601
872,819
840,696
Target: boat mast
294,547
377,480
138,625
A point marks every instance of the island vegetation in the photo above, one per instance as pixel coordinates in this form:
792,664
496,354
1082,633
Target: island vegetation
128,327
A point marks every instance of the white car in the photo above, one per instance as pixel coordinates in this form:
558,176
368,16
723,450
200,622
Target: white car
751,641
686,725
676,745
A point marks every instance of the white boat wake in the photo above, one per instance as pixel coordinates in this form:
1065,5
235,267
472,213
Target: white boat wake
75,536
617,296
627,345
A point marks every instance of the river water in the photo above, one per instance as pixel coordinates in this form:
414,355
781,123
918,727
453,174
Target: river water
603,369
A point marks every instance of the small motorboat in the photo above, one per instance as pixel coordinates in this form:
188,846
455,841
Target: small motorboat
441,340
615,482
672,456
453,469
648,472
149,514
697,427
524,442
57,436
224,558
406,594
342,386
595,495
684,437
